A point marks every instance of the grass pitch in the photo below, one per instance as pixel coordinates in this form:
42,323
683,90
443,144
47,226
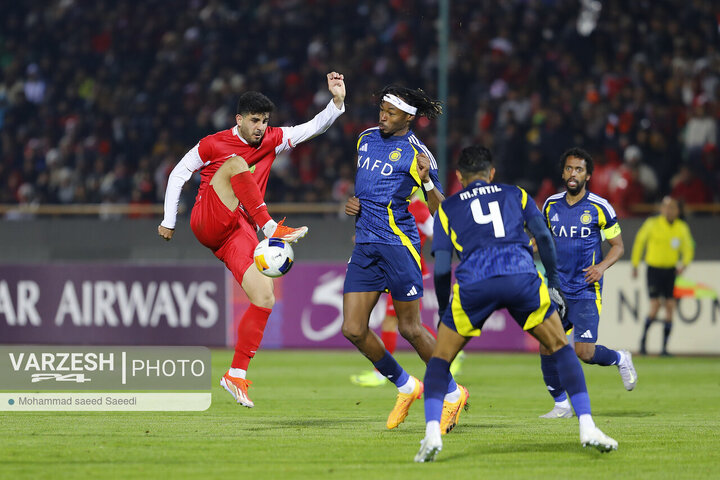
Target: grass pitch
310,422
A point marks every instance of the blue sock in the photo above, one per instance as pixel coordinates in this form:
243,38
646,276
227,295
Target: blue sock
436,384
573,379
452,386
667,328
552,378
604,356
392,370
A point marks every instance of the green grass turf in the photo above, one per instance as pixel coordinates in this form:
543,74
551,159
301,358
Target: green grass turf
310,422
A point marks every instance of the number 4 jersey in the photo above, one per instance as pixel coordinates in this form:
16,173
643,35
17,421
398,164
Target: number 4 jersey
485,224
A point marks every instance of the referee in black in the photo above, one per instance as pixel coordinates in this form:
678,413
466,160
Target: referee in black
668,246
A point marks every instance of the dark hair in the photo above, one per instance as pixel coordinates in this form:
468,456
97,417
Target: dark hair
680,203
475,159
426,106
577,153
254,102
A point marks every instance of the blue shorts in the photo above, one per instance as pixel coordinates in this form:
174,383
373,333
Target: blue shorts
384,268
524,295
583,316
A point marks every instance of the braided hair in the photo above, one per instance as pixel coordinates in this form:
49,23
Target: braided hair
426,106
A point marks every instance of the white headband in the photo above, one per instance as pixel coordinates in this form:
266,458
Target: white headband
399,103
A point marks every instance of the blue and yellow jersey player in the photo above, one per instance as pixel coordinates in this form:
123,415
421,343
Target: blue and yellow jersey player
485,225
392,163
579,221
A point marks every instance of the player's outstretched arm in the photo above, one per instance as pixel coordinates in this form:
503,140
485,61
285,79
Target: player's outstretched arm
434,197
336,85
322,121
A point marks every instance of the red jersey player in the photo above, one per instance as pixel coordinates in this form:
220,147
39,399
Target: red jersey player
234,166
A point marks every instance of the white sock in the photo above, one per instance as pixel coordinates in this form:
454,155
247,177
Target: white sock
622,357
269,228
432,429
408,387
564,404
453,396
586,422
237,372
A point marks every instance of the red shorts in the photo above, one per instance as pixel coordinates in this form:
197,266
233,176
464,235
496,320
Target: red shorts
230,235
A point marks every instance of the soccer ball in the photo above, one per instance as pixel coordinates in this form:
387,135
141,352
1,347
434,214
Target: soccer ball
274,257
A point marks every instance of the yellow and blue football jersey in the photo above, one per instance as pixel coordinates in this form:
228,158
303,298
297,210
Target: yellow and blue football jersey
484,223
386,178
578,231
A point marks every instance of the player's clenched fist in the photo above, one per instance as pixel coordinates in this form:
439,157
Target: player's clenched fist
423,167
166,233
336,85
352,206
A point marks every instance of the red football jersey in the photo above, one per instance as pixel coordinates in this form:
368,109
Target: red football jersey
215,149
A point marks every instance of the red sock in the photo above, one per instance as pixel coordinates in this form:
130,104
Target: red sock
390,340
432,332
250,333
248,193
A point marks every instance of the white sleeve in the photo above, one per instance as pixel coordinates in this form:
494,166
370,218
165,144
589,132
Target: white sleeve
305,131
426,227
179,175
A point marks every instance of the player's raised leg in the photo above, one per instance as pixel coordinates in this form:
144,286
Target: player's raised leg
235,185
551,335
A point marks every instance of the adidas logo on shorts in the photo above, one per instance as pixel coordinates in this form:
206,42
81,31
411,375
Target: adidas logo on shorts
587,334
413,291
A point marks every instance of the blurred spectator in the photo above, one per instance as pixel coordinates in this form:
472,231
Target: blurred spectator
114,89
645,175
26,202
626,186
34,87
530,175
701,129
708,168
605,167
688,188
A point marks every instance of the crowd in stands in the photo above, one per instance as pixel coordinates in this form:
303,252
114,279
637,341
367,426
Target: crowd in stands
99,100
